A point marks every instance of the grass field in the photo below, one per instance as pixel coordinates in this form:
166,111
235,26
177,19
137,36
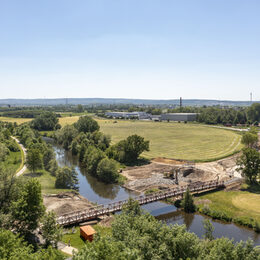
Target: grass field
238,205
170,140
17,120
63,120
75,239
177,140
47,182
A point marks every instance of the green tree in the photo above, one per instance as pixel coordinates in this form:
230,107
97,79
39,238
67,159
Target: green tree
187,202
134,146
34,160
48,156
249,139
65,136
209,229
28,208
53,167
79,109
4,151
8,188
51,232
13,247
107,170
92,158
46,121
66,178
254,112
249,164
86,124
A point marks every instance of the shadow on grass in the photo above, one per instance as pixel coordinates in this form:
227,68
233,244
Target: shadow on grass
33,175
138,162
207,192
253,188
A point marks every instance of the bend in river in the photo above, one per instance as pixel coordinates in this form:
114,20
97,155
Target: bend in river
102,193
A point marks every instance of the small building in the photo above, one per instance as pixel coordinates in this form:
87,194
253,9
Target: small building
87,232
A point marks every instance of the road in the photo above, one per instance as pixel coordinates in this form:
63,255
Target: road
20,172
230,128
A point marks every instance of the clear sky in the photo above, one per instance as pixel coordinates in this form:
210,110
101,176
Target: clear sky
159,49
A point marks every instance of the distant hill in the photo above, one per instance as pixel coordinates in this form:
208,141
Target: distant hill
93,101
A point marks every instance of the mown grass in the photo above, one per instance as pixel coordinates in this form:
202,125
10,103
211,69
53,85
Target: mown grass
46,180
241,207
190,141
13,120
75,239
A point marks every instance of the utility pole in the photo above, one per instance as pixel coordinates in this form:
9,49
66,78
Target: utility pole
180,103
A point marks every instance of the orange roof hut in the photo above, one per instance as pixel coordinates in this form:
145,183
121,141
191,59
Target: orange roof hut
87,232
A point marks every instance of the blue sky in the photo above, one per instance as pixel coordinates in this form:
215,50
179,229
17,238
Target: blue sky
158,49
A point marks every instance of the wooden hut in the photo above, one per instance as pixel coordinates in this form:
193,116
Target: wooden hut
87,232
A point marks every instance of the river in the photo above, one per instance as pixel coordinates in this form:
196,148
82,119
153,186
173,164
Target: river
101,193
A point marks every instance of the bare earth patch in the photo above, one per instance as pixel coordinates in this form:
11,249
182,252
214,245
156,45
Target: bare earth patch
161,173
65,203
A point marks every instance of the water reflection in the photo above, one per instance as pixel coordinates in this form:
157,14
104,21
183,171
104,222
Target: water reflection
194,223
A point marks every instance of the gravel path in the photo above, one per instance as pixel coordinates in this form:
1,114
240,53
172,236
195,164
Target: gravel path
20,172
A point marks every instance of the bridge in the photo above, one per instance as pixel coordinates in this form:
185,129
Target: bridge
176,193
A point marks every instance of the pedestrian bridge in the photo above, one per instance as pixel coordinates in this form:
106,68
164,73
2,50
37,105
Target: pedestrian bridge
176,193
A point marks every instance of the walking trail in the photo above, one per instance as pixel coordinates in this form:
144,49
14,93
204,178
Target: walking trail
20,172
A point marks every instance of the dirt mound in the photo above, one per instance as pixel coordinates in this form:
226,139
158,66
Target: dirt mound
65,203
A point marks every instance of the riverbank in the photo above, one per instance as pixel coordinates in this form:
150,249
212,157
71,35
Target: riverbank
240,206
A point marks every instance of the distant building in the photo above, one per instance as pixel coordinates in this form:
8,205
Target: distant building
128,115
179,117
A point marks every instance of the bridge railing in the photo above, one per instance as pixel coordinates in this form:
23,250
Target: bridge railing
74,217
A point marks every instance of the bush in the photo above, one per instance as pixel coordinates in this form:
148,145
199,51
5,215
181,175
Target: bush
66,179
107,171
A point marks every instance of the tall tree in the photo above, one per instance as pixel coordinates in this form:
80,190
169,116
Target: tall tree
249,164
28,208
187,203
34,160
66,178
249,139
107,170
86,124
51,232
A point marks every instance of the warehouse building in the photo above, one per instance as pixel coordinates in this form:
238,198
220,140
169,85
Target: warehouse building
128,115
179,117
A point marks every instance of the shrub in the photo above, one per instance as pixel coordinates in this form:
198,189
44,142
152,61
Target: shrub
107,170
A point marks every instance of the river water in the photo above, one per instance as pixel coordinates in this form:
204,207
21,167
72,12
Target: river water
101,193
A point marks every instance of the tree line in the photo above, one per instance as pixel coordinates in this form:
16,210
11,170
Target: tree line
94,151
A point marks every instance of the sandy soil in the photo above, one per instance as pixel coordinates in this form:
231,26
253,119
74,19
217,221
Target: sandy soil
65,203
161,173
